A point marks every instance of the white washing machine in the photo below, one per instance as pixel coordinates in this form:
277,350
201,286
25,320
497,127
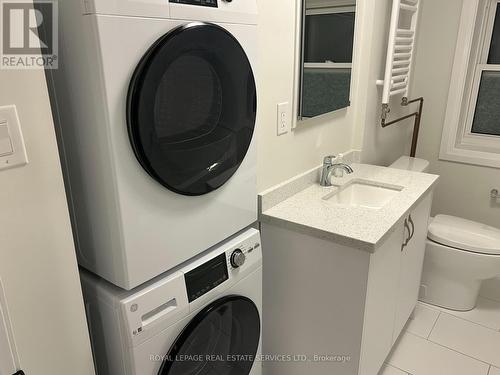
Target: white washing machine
156,106
203,318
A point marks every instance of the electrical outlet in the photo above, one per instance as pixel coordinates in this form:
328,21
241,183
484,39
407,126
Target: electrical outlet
283,120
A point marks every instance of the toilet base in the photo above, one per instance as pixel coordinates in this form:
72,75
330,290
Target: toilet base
452,278
449,292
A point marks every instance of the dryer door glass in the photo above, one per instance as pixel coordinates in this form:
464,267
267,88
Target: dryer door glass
221,340
191,108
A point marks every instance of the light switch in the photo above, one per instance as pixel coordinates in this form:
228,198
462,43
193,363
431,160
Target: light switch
5,141
12,148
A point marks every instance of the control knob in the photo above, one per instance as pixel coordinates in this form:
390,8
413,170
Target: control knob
237,258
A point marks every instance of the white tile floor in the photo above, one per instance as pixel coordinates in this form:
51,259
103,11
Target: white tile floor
442,342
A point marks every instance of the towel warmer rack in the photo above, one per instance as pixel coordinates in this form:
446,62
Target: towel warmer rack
399,63
400,51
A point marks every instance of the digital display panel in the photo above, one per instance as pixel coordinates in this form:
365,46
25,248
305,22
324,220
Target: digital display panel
206,277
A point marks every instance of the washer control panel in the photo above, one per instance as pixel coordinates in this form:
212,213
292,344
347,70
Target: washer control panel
166,299
206,277
226,265
244,254
238,258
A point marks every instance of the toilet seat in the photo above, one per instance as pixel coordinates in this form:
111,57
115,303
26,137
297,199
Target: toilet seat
465,235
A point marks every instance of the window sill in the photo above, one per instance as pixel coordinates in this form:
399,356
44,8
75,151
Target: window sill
473,157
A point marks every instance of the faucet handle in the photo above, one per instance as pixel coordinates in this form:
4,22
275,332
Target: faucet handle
329,159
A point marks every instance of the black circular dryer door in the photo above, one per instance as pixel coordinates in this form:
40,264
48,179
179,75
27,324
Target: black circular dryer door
191,108
221,340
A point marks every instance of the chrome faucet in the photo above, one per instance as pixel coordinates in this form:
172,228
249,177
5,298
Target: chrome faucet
330,166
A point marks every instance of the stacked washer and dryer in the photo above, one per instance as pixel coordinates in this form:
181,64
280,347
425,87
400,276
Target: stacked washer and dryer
156,105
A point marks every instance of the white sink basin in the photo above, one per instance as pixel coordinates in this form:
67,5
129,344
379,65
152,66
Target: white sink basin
363,194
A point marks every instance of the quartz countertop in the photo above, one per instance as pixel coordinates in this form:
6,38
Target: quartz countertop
304,209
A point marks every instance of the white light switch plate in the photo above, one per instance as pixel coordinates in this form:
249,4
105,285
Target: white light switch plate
5,140
12,148
283,120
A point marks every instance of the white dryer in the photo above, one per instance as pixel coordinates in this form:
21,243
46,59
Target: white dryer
203,318
156,104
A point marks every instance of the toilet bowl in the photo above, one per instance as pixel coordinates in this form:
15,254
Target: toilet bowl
460,254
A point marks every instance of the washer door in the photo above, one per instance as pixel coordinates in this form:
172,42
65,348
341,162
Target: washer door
191,108
221,340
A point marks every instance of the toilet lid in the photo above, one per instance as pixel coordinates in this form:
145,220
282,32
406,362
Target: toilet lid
465,234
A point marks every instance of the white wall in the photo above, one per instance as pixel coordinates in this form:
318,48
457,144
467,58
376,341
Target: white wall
379,146
280,158
358,127
37,258
463,190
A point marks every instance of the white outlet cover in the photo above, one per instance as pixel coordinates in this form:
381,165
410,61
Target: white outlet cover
283,119
16,157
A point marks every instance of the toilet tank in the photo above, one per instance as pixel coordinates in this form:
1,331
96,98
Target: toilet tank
411,164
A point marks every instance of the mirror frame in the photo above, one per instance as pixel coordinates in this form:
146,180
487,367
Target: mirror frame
297,120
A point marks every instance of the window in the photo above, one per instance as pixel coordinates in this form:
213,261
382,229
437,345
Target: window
472,125
328,40
329,35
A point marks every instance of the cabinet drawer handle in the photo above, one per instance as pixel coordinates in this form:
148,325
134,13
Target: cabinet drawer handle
405,243
410,220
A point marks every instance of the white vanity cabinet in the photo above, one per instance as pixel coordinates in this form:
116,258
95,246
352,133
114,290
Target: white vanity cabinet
323,298
393,285
412,258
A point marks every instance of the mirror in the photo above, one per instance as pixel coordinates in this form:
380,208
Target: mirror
326,56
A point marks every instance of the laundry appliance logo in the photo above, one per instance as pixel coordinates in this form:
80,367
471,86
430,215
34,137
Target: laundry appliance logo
29,37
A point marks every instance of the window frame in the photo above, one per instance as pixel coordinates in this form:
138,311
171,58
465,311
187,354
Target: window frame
319,10
458,142
297,120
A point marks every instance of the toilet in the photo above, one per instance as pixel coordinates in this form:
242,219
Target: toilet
460,254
